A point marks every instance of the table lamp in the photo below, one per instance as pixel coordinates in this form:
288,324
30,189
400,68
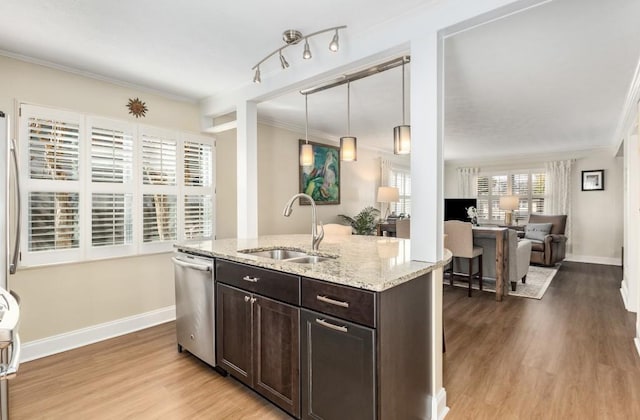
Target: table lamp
387,195
509,203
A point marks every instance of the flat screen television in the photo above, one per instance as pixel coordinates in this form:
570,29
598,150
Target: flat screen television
456,208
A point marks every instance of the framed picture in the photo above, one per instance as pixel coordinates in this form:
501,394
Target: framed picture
593,180
322,180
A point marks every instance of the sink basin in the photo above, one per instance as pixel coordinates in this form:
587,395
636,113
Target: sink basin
277,254
309,259
288,255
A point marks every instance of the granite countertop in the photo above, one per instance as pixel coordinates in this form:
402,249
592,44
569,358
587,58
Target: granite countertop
366,262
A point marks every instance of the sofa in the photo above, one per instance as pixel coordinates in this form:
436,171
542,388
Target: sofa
519,254
548,248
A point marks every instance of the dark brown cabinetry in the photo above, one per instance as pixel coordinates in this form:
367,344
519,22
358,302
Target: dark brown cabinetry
338,368
258,336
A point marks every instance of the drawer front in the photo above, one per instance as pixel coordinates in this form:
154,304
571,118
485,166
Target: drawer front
342,301
273,284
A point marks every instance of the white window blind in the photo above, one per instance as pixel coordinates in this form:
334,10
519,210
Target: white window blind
111,155
528,185
198,217
159,160
159,217
53,221
197,164
111,219
401,179
103,188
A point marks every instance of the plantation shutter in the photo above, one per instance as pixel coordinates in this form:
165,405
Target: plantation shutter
111,155
198,189
483,197
50,152
111,219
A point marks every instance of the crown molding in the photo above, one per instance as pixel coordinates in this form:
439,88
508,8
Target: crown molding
90,75
628,118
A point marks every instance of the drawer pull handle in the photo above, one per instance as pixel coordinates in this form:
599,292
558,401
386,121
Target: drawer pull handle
332,301
324,323
251,279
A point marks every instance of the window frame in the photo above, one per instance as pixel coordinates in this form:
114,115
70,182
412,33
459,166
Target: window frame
86,187
491,197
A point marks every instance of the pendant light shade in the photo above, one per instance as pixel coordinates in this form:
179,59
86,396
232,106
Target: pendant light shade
402,140
306,155
348,144
402,133
306,150
348,149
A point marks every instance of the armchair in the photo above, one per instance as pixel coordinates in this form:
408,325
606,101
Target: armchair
551,249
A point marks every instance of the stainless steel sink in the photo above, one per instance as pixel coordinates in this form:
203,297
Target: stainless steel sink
277,254
288,255
309,259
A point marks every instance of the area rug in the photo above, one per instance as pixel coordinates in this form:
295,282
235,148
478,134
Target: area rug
538,280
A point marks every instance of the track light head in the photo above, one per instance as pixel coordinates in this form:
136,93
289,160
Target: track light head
307,51
256,77
334,45
283,61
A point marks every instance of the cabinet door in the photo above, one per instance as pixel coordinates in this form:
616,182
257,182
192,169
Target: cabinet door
233,332
276,329
338,368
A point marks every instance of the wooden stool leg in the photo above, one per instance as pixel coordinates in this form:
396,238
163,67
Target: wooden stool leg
470,274
451,272
480,268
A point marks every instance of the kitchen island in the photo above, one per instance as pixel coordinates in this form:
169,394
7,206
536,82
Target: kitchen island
346,337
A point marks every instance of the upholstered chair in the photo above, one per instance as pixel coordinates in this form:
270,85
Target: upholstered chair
403,228
547,248
460,242
523,258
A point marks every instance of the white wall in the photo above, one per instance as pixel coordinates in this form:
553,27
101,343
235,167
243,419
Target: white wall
597,222
60,299
278,180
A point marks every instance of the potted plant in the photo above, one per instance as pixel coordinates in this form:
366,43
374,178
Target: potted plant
364,223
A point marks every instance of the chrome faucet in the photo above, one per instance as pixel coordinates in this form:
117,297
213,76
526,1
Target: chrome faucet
316,237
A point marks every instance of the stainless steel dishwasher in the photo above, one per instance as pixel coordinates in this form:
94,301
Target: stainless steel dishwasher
195,306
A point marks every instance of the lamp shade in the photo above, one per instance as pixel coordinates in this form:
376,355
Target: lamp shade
348,149
306,155
509,202
388,195
402,139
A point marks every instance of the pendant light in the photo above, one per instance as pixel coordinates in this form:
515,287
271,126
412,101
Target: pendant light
306,150
402,133
348,144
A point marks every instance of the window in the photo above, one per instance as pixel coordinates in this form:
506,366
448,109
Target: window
402,180
529,186
100,188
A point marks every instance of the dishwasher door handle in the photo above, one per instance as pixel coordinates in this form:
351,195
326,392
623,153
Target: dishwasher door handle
199,267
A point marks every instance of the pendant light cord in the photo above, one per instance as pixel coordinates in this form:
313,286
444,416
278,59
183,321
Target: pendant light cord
349,109
403,92
306,119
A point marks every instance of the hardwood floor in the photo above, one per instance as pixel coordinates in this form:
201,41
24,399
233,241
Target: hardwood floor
568,356
136,376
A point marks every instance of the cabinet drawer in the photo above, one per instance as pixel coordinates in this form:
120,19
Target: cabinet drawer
342,301
273,284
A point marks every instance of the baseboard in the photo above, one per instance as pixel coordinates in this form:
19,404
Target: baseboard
594,260
624,291
438,405
73,339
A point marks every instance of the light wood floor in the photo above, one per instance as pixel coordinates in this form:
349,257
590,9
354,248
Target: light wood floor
568,356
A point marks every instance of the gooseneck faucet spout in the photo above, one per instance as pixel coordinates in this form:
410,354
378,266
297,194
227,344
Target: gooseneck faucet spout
316,236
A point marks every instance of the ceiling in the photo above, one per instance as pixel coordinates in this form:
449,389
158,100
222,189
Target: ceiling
553,78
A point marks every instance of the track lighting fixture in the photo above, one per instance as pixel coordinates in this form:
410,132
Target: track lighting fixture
334,45
293,37
283,61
